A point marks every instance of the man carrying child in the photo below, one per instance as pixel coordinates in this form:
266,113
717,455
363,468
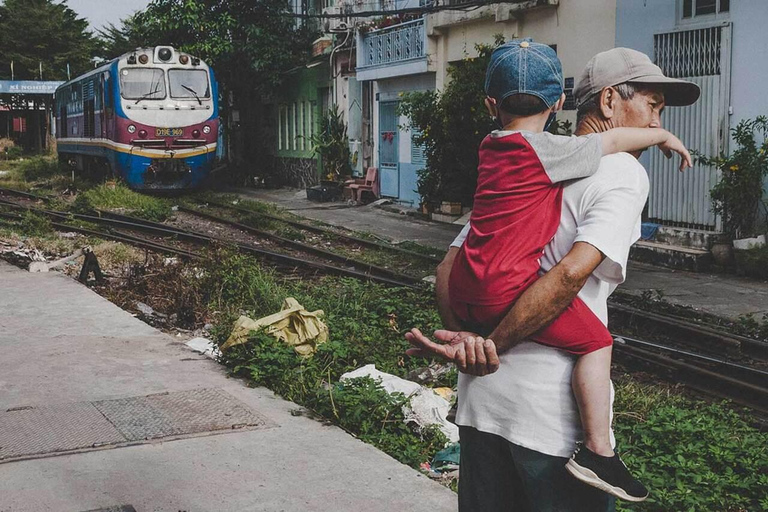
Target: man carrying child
520,424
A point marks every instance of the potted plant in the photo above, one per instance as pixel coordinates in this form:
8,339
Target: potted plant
331,145
739,197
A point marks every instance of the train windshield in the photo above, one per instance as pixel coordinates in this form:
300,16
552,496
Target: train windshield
189,84
142,84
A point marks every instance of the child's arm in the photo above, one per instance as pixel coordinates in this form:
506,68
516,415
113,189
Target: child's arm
619,140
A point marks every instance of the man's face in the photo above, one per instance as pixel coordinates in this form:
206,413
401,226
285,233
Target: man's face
642,111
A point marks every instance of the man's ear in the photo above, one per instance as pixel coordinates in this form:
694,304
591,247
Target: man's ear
608,99
490,104
559,105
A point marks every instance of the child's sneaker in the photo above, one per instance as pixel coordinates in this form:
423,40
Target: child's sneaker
609,474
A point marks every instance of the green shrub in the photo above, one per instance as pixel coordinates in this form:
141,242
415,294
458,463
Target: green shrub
33,224
692,456
39,168
119,196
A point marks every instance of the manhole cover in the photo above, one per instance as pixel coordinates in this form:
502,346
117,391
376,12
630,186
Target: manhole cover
50,429
174,414
38,431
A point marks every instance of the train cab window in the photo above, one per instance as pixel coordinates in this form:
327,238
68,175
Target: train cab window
142,84
189,84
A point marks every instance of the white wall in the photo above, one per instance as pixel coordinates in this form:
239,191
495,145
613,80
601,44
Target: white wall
579,28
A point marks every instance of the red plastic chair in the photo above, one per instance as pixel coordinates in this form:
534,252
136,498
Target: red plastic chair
369,184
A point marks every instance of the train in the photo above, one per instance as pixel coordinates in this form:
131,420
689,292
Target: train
149,117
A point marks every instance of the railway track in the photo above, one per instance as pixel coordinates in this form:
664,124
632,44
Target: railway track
124,222
324,231
706,359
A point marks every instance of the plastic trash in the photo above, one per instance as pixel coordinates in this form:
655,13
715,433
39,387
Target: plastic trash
426,407
294,325
204,346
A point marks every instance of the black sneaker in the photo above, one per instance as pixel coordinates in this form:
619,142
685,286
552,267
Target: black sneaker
609,474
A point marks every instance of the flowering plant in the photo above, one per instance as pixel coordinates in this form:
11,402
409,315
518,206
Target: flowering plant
739,197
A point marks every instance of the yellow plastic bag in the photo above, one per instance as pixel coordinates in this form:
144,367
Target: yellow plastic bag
294,325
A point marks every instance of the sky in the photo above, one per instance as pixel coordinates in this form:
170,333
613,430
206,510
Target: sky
102,12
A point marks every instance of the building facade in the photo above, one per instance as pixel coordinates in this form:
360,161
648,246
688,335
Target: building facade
719,44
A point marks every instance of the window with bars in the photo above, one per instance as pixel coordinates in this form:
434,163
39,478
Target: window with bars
295,126
697,8
689,53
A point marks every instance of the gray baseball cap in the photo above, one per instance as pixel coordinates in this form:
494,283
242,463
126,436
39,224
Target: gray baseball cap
624,65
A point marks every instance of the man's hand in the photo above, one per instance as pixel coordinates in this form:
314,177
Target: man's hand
472,354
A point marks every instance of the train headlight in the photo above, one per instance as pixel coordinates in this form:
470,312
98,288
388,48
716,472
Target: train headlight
164,54
143,59
142,134
184,59
131,128
206,129
196,133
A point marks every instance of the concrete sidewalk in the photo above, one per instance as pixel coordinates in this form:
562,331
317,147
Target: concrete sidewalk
719,294
391,226
65,346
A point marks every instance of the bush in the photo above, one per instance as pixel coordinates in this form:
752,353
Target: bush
692,456
451,126
39,168
143,206
33,224
738,196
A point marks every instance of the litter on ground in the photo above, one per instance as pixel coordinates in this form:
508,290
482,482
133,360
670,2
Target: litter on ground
294,325
426,407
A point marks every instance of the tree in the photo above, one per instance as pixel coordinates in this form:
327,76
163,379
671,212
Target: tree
115,41
41,33
450,125
249,43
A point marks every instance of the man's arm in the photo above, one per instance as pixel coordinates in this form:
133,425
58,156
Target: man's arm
442,277
539,305
549,296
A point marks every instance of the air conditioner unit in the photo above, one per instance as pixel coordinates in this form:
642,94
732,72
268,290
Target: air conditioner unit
331,24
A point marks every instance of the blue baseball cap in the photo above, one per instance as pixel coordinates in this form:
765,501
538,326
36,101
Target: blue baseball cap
523,66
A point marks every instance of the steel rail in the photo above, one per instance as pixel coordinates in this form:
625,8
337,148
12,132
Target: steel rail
304,247
283,259
324,231
744,393
116,237
703,336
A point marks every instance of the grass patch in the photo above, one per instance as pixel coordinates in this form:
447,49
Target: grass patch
33,224
121,197
692,456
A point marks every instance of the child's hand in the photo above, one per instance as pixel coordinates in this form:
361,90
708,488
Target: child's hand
673,144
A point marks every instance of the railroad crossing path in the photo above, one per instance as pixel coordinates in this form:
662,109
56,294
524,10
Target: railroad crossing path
83,385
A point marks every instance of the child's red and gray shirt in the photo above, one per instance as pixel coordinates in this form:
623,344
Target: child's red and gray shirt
516,211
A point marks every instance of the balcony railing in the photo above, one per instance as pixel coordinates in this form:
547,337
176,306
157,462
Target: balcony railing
393,45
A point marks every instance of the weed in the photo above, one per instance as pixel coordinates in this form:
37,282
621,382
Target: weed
33,224
693,456
141,205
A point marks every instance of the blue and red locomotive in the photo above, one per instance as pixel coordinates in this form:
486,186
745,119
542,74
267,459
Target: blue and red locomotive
150,117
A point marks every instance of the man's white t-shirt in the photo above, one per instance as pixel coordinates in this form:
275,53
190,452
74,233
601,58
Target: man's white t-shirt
529,400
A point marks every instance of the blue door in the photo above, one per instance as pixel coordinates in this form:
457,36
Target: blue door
389,178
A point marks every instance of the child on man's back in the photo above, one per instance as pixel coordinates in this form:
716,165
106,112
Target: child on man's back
516,213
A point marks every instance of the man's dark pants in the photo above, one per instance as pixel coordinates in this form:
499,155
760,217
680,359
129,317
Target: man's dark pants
497,475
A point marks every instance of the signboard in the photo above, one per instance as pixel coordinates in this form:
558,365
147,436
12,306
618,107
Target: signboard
28,87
